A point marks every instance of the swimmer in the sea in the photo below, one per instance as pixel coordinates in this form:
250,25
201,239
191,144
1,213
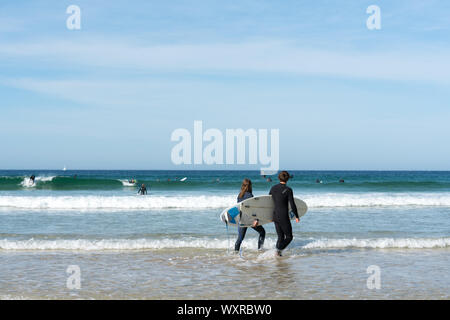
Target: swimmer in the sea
143,190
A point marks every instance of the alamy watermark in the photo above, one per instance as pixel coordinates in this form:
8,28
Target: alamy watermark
374,280
74,280
213,147
73,22
374,20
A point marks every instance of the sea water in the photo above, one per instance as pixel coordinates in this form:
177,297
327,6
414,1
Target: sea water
171,244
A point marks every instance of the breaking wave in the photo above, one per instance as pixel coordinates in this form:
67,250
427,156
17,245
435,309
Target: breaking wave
205,202
381,243
208,243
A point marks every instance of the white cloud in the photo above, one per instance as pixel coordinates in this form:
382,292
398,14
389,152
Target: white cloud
426,64
98,92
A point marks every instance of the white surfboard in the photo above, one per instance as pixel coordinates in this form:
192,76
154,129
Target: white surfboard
127,183
184,179
259,208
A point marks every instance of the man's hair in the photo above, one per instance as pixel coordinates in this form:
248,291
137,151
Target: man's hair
284,176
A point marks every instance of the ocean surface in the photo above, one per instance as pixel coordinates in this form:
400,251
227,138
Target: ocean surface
171,244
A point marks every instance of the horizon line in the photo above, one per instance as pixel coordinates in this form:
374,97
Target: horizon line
237,170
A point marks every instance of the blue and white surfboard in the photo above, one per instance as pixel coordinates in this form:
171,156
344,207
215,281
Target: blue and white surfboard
259,209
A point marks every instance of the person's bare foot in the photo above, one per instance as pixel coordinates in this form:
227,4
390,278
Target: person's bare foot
255,223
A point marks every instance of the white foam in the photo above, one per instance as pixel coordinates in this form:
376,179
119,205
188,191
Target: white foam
270,254
208,243
120,244
10,297
377,199
381,243
126,183
216,202
28,183
115,202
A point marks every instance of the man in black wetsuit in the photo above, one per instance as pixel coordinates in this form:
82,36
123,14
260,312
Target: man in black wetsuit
142,190
282,195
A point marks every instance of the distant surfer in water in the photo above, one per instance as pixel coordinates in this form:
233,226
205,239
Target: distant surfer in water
143,190
32,178
282,195
246,193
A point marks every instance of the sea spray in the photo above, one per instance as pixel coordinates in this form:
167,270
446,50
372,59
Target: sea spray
215,243
93,202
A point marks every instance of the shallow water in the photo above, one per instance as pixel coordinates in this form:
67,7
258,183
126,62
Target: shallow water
172,245
215,274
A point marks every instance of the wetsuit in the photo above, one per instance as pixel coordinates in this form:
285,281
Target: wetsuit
142,191
243,230
282,195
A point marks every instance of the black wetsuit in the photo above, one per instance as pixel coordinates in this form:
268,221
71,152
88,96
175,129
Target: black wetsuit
283,196
243,230
142,191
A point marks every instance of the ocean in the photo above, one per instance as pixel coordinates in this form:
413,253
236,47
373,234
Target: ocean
171,244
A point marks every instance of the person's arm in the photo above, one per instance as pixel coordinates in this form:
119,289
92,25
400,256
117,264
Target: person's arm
292,203
248,195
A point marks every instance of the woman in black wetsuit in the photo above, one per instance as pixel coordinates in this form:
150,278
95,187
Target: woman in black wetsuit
282,195
246,192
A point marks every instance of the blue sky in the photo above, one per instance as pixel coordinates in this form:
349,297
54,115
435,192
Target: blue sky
108,96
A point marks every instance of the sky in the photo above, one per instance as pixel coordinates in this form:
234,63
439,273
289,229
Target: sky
109,95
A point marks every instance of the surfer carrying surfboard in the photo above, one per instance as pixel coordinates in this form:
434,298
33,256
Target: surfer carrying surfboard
283,196
246,193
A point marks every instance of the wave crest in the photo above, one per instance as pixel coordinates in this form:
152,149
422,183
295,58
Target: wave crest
381,243
116,202
214,202
208,243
